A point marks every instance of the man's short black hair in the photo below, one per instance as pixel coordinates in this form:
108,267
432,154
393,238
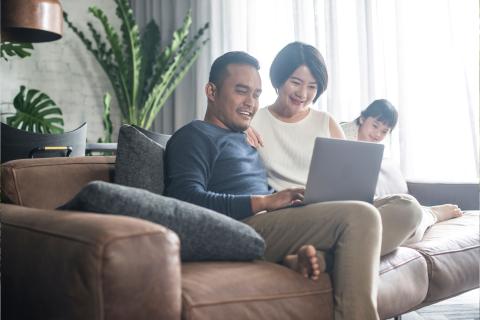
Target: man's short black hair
218,71
293,56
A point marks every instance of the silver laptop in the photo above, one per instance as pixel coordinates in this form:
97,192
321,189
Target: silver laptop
343,170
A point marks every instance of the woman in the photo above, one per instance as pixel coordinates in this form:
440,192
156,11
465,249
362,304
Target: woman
373,125
289,127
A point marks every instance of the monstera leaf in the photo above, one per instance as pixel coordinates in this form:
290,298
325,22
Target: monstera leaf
36,112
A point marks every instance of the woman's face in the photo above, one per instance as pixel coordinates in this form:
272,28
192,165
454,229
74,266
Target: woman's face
372,130
299,90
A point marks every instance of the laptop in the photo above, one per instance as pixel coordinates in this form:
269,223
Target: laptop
343,170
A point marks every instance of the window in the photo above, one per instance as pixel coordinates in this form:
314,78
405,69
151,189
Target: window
422,55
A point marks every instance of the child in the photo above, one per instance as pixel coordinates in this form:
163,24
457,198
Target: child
373,125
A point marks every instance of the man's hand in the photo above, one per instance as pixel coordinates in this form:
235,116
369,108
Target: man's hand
278,200
253,138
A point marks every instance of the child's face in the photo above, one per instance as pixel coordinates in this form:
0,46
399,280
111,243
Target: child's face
372,130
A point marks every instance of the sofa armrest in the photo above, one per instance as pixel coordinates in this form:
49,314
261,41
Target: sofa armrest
77,265
465,195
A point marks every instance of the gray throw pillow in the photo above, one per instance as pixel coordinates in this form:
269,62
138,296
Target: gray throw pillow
204,234
139,160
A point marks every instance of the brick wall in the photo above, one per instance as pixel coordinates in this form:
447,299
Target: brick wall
65,71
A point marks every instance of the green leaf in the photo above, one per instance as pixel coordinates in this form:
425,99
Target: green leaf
151,49
168,55
104,57
36,112
11,49
142,75
132,51
107,122
171,77
116,47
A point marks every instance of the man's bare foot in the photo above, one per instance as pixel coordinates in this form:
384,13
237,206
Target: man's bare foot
446,211
308,262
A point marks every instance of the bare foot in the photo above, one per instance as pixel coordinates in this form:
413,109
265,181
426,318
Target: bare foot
446,211
308,262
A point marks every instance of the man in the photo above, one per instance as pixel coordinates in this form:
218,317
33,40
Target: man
209,163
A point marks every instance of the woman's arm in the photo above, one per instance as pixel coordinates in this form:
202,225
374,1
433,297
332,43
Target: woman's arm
335,129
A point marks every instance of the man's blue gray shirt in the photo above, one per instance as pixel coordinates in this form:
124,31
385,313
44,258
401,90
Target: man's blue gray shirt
215,168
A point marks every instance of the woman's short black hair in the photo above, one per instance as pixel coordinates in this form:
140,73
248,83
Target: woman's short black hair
218,71
292,56
382,110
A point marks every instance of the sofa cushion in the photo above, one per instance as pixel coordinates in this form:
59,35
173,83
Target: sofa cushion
403,282
451,249
84,266
258,290
46,183
204,234
140,159
390,179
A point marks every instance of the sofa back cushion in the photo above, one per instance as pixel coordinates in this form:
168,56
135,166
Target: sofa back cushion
49,182
139,161
390,179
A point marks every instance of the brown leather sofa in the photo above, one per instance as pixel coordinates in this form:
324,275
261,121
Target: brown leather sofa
77,265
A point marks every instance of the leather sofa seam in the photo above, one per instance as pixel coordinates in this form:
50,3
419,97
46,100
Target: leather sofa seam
161,232
401,264
104,248
100,281
14,174
84,241
256,299
430,262
423,252
35,165
15,169
61,165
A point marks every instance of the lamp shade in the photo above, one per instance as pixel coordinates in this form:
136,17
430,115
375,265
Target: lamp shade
31,20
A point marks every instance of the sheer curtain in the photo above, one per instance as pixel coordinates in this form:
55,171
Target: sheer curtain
422,55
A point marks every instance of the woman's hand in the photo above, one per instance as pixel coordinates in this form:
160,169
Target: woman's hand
253,138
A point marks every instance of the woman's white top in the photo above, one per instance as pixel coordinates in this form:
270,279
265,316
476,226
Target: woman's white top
350,129
288,147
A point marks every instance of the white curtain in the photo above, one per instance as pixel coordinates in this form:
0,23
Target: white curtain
422,55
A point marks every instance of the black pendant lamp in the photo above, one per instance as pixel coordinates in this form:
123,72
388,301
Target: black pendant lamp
31,20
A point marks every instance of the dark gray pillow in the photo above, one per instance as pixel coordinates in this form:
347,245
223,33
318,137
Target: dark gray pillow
139,161
204,234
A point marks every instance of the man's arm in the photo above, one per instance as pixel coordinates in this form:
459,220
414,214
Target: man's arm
189,160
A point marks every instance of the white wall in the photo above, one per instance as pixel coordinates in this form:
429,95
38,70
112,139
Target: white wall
67,72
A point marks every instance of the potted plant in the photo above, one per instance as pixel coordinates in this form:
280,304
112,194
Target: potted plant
143,75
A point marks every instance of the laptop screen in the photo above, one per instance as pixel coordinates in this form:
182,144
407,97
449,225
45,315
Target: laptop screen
343,170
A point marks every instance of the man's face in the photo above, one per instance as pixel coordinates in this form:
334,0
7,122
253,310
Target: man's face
233,105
